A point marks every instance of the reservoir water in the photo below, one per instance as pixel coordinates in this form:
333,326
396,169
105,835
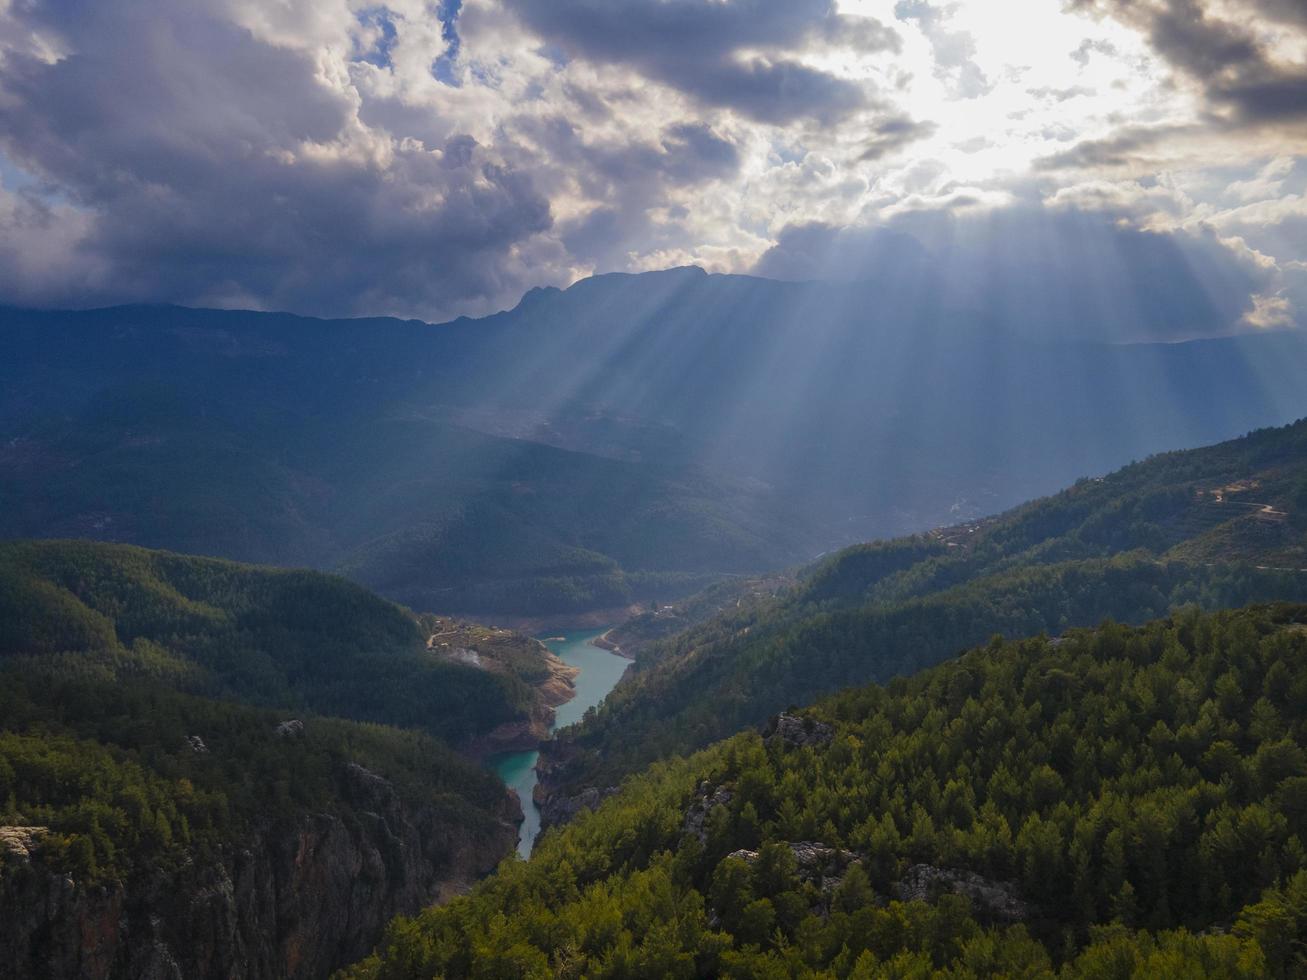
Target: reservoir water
600,672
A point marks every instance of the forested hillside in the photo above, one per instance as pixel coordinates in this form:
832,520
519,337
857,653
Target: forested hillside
1121,802
171,785
1218,527
144,831
295,640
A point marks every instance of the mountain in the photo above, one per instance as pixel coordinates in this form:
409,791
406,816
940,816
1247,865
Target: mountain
210,769
1217,527
289,639
1121,802
434,515
631,437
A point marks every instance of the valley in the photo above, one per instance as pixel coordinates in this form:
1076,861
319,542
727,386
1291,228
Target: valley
198,710
653,490
1123,802
598,672
677,603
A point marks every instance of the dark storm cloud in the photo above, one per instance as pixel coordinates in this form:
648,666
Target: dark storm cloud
694,152
699,48
1241,80
1285,11
1122,148
682,154
895,133
1041,273
184,139
628,179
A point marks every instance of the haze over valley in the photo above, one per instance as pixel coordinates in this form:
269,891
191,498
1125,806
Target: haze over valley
628,439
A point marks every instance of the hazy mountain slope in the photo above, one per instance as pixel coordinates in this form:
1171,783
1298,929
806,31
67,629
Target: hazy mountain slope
1124,802
639,434
1187,527
433,514
861,404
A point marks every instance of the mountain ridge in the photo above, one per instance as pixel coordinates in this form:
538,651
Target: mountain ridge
775,419
1129,546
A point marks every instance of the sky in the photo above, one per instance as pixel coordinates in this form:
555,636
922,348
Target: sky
434,158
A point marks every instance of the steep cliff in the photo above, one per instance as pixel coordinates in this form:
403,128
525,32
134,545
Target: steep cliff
296,898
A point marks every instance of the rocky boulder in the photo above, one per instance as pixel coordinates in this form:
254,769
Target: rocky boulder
994,900
557,809
706,798
818,863
793,731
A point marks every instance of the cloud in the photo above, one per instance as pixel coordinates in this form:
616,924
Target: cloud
954,49
438,157
1045,273
895,133
815,250
200,163
1055,94
413,158
1090,46
1243,79
1268,182
1122,148
738,55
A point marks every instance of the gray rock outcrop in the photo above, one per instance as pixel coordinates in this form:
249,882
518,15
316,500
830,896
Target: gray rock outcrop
793,731
705,799
995,900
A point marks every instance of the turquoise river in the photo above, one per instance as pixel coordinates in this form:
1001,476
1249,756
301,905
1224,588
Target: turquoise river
600,672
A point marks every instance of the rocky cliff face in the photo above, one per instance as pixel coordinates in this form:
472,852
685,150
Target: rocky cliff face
296,901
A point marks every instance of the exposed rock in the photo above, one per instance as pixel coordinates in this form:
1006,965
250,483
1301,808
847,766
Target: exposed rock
20,842
295,900
989,899
556,809
560,686
532,730
706,797
818,863
793,731
197,744
291,729
815,857
608,641
558,798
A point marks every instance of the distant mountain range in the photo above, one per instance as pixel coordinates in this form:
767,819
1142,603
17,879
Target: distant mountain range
629,437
